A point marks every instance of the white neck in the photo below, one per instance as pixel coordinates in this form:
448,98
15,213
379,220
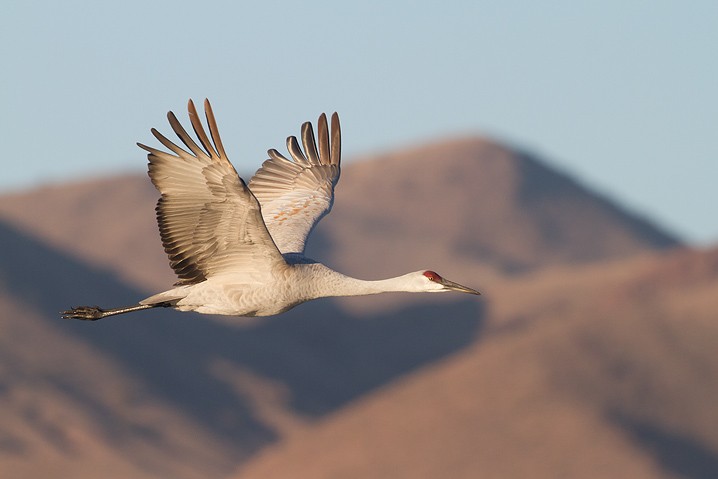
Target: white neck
359,287
337,284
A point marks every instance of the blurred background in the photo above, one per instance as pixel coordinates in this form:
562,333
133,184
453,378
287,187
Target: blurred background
621,94
561,158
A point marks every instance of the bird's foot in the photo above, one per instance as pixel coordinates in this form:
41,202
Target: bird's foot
86,313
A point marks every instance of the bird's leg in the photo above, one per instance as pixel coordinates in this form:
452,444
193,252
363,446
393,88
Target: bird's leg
93,313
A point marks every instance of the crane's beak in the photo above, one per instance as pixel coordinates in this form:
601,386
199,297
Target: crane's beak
457,287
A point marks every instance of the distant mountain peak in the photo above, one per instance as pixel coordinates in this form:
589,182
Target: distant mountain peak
485,201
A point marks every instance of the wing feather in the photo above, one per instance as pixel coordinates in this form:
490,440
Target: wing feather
295,194
310,144
210,222
296,151
336,154
323,131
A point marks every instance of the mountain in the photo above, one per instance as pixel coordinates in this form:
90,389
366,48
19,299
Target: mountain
475,200
160,394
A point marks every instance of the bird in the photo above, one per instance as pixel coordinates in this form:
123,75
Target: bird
237,248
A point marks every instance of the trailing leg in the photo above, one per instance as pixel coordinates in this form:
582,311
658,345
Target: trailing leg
93,313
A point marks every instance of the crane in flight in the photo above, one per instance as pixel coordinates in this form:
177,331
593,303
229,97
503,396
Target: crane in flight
238,249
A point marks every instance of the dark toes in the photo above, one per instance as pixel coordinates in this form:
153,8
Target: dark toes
86,313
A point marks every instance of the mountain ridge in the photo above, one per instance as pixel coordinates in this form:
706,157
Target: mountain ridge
235,390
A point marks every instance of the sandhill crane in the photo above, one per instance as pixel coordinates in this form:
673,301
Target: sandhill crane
238,249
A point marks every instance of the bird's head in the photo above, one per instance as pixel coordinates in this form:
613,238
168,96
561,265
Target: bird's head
432,282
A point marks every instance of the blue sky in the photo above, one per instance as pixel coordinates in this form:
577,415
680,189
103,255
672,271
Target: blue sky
621,94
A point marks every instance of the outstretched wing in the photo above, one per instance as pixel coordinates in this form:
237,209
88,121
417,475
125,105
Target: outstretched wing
209,221
295,194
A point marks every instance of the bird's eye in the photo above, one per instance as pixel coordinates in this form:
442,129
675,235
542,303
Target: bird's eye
431,276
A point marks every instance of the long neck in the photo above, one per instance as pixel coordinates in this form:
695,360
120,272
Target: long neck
337,284
359,287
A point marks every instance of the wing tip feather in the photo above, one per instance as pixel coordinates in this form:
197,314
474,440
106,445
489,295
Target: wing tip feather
336,142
